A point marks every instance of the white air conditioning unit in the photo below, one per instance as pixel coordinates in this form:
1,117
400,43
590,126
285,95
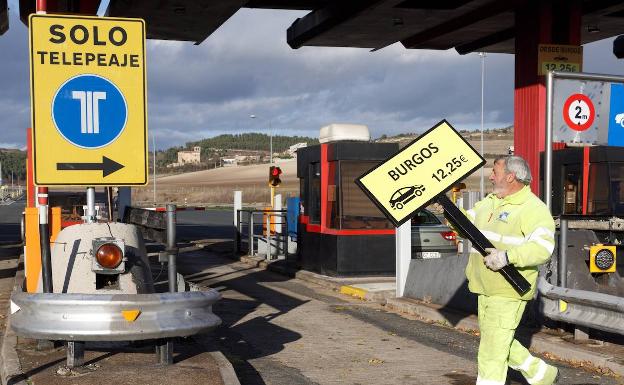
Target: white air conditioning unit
336,132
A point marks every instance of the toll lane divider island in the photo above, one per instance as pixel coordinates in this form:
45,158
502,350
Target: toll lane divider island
422,173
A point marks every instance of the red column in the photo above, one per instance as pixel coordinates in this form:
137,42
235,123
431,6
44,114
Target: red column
538,22
533,26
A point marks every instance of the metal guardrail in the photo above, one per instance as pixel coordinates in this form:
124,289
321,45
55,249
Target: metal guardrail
153,224
580,307
251,237
99,317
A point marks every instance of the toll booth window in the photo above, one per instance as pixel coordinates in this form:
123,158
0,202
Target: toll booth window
572,189
356,210
314,198
598,191
617,188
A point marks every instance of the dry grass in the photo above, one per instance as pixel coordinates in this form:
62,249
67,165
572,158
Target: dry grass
215,187
198,195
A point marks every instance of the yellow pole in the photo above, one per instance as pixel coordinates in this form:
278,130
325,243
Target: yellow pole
272,196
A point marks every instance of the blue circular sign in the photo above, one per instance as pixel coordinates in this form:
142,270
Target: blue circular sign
89,111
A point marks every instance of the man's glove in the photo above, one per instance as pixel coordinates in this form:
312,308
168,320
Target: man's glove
495,259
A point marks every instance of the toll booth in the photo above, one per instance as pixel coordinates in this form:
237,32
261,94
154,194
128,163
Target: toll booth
588,182
588,193
340,231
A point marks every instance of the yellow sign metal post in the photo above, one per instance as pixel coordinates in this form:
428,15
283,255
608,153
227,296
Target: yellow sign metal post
88,94
427,167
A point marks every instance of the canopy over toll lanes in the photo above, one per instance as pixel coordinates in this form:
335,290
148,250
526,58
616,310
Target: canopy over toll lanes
518,27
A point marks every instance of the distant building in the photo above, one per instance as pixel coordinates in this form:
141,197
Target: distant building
187,157
229,162
194,156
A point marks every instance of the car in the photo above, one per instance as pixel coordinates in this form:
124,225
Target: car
431,238
405,194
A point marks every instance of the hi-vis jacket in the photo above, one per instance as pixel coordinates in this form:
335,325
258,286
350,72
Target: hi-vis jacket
520,224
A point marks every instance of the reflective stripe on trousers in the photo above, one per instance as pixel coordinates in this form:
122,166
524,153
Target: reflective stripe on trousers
498,319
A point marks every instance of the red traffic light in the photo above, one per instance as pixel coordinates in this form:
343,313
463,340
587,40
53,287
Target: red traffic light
274,176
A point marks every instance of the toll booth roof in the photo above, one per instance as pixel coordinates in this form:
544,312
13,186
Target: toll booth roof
466,25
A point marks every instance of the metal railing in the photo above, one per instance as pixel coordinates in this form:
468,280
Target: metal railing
255,231
580,307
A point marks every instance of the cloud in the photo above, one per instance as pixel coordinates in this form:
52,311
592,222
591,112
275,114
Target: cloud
247,68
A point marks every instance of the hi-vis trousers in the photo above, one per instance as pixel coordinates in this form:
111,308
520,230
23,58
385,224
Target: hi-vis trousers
498,319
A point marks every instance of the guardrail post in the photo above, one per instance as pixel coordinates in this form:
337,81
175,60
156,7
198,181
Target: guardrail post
285,238
238,206
563,252
238,231
251,233
164,349
268,237
75,354
171,247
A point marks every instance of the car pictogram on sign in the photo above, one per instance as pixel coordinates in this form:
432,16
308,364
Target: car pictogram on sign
405,194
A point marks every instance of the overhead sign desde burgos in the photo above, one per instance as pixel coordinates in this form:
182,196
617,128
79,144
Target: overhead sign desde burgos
558,57
425,168
88,94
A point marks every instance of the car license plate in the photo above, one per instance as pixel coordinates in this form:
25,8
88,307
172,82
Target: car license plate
429,254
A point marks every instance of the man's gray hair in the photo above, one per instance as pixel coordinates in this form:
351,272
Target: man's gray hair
518,166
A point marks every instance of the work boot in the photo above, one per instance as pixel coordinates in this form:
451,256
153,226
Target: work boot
550,377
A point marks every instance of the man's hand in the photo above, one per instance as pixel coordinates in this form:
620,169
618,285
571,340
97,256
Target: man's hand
495,259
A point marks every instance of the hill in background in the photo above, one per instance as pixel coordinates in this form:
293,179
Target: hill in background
212,149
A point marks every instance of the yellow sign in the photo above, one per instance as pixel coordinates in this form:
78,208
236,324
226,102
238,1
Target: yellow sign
88,95
427,167
557,57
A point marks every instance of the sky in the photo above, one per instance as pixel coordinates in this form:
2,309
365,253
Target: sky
246,68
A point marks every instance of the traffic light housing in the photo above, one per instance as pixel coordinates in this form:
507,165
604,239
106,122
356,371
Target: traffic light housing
602,259
274,176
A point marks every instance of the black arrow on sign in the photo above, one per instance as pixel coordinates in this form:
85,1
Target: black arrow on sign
108,166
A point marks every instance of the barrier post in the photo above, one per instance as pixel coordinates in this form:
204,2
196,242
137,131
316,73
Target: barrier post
277,206
403,247
238,206
268,237
238,232
164,348
44,239
251,233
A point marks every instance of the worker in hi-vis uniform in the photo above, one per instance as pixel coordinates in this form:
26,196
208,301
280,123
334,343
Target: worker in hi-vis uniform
522,230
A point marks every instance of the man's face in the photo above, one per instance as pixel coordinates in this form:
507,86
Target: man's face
501,181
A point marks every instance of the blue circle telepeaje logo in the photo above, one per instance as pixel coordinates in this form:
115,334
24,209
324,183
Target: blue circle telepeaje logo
89,111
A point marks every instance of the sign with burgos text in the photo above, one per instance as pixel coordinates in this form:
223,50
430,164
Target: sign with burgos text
427,167
88,95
